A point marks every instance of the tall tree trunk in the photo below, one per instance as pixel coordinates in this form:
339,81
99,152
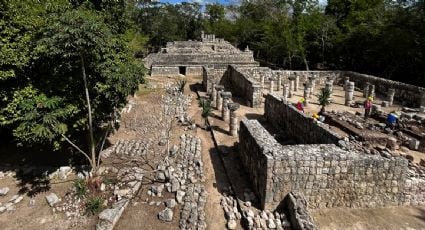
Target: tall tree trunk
306,63
91,136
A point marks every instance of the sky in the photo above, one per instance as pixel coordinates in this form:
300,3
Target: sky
225,2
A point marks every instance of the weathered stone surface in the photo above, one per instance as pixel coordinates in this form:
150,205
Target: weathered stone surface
166,215
318,171
170,203
52,199
4,191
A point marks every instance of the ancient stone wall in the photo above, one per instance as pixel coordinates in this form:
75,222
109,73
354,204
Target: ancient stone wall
212,75
296,124
405,93
194,71
243,85
325,174
165,71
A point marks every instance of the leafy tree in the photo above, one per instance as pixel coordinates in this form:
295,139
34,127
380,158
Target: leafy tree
324,99
206,110
82,74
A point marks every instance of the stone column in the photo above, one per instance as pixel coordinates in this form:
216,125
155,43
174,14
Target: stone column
349,92
366,89
279,82
297,82
422,101
285,92
219,99
346,81
225,109
306,94
262,81
213,95
271,85
312,84
291,86
233,124
371,91
390,95
329,85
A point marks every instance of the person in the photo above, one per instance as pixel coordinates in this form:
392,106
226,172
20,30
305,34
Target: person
368,106
392,119
300,105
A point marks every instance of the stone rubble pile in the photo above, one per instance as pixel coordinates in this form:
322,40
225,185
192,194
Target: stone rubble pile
128,147
251,217
10,204
175,103
182,173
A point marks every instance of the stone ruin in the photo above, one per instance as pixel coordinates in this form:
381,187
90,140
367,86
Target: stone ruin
193,58
321,170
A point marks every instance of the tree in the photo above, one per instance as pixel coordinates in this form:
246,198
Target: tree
206,110
324,98
81,76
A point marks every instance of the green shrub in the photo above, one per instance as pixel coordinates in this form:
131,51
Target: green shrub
80,187
94,205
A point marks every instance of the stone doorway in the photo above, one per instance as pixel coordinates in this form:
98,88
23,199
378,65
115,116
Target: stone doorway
182,70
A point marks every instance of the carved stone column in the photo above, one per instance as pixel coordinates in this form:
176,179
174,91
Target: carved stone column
285,92
390,95
366,89
422,99
346,81
279,82
291,87
225,109
233,124
262,81
349,93
219,99
213,96
329,85
297,82
371,91
271,85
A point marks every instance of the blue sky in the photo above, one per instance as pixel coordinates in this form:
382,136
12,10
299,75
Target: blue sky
323,2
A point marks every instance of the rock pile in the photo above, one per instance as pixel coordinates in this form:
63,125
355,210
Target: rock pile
251,217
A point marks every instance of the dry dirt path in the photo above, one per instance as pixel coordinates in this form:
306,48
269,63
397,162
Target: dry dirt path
216,180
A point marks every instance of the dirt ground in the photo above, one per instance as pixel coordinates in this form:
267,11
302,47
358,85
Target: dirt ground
39,215
140,215
394,218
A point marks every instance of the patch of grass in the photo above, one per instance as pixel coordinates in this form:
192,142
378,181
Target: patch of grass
143,90
94,205
108,181
80,187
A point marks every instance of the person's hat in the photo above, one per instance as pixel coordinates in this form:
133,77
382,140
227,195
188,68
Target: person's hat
370,98
302,100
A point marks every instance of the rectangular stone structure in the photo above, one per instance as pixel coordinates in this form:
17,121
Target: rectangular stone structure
324,173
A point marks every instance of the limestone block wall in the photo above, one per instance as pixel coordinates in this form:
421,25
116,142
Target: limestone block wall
296,124
242,85
212,75
409,94
165,71
325,174
194,71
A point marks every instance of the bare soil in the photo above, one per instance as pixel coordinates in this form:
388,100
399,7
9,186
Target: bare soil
393,218
41,215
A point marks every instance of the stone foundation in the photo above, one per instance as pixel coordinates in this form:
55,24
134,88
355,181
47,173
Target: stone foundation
325,174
